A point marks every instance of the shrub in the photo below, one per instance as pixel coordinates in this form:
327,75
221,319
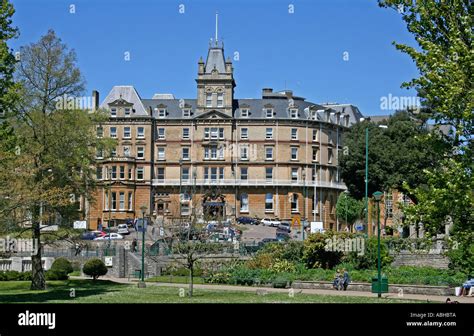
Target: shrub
369,259
315,251
94,268
291,251
280,282
283,266
15,276
260,261
56,274
63,265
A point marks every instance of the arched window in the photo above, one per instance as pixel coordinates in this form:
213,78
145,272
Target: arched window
244,202
294,203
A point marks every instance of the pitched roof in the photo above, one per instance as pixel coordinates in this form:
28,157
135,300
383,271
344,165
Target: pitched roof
215,59
128,93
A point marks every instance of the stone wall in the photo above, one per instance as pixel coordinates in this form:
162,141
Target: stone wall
406,258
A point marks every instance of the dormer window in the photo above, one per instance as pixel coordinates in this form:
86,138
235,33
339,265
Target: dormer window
186,113
244,113
220,100
161,113
269,113
113,112
127,111
294,114
314,115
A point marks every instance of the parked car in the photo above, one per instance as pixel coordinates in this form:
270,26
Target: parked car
91,235
282,236
111,236
285,226
247,220
123,229
270,222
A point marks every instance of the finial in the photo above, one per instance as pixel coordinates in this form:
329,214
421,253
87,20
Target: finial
217,21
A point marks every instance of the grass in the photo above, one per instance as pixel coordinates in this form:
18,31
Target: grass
175,279
103,291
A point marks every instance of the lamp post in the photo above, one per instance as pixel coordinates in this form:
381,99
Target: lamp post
377,197
304,203
142,284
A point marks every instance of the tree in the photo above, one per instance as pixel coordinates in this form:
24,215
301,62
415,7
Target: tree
395,155
94,268
7,59
349,209
444,58
57,147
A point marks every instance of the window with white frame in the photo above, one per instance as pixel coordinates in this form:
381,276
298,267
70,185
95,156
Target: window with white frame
269,113
185,211
160,174
186,113
140,173
140,152
122,201
185,133
220,100
294,174
330,155
161,153
244,202
99,154
126,151
269,174
114,200
161,113
208,99
293,113
161,133
294,153
140,132
106,200
113,152
244,133
330,137
214,133
127,133
294,134
185,153
268,202
244,171
315,154
294,203
244,113
113,132
130,174
185,174
122,173
315,135
314,114
221,133
269,133
314,174
268,153
100,132
127,111
113,112
99,173
113,174
130,201
206,133
244,152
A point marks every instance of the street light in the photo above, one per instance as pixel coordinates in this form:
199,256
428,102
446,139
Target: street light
142,284
304,203
377,197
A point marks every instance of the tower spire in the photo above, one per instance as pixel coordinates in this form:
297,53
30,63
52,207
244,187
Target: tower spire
217,21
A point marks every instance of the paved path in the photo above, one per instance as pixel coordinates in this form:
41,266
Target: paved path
426,298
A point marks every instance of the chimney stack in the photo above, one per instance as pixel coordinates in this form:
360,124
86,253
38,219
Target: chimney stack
95,100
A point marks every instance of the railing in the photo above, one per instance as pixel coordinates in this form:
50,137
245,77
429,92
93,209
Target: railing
250,183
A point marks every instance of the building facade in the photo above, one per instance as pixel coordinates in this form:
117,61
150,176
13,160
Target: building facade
219,157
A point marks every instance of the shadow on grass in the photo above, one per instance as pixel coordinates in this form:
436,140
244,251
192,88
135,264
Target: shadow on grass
56,290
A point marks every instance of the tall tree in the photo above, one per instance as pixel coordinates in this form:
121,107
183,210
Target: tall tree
59,145
444,58
395,155
349,209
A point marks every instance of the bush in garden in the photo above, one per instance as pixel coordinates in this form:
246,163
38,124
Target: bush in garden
62,264
55,274
283,266
315,251
291,251
369,259
94,268
15,276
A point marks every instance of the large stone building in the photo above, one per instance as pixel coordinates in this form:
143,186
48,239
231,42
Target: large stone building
219,156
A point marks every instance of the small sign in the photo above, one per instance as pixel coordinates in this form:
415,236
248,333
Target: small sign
317,227
80,225
141,225
296,222
49,228
109,261
359,227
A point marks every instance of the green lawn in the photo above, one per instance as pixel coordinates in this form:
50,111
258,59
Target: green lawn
88,291
175,279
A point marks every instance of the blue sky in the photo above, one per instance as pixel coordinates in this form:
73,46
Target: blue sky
302,51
